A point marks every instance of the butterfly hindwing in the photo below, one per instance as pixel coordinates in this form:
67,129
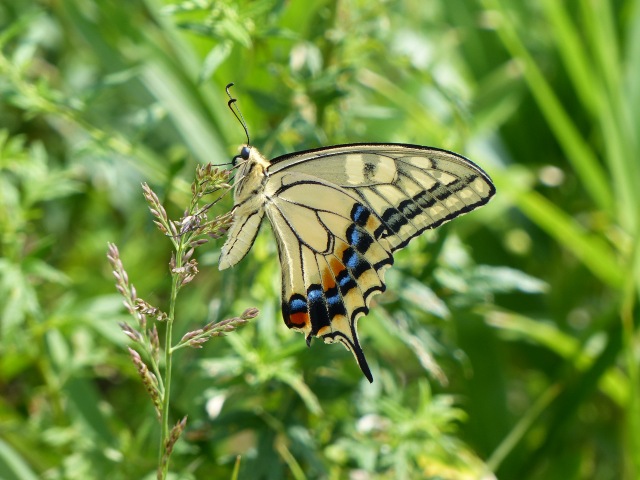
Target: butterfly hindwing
332,262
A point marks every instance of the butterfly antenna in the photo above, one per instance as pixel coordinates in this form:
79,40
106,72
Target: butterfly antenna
233,106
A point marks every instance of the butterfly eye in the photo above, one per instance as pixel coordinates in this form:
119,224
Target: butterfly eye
244,155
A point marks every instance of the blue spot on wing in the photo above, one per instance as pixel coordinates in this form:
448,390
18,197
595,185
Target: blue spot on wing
314,294
359,238
354,236
355,262
345,281
350,258
334,302
297,304
360,214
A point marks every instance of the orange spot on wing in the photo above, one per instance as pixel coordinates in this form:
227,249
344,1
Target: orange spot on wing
336,266
372,223
299,320
327,279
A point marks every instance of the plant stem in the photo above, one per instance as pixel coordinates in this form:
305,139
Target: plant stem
164,437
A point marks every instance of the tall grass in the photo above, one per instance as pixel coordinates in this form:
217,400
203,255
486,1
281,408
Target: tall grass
505,344
592,42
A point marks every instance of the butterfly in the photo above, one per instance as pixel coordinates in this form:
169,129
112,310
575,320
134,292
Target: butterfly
338,214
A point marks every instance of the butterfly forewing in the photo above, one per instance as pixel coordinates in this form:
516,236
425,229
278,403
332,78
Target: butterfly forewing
409,187
338,213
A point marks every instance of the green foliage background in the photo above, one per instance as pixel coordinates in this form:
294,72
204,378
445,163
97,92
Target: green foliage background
507,343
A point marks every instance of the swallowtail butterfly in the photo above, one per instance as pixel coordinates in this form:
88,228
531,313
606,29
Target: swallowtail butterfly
338,214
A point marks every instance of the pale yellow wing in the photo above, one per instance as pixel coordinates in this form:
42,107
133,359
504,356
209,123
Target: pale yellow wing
338,213
332,257
410,188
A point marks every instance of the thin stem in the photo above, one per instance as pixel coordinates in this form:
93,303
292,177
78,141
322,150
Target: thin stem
168,356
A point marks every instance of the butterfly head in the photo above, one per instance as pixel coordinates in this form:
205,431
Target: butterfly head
245,153
251,170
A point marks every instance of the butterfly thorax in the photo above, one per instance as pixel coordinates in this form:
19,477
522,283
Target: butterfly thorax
250,179
248,208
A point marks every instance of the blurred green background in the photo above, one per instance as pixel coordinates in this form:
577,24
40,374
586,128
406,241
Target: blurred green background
506,345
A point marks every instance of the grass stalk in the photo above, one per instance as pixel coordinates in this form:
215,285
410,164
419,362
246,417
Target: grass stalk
168,360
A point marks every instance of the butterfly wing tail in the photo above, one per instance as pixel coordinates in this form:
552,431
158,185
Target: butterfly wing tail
351,342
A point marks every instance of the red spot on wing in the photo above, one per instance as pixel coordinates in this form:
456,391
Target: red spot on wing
299,320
